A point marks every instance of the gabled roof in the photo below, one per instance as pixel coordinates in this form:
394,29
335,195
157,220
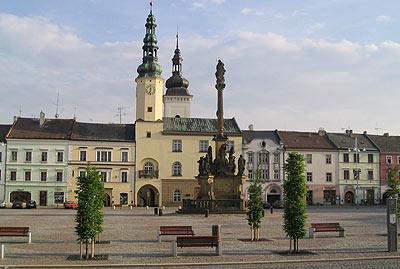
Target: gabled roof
249,135
103,132
4,128
347,140
29,128
386,144
199,126
305,140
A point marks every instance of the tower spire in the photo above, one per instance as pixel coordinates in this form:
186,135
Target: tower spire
151,7
177,36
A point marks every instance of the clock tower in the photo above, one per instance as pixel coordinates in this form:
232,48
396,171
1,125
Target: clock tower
149,83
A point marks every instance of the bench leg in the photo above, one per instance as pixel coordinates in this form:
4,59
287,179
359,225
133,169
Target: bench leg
158,237
2,254
218,250
311,233
29,237
341,233
174,249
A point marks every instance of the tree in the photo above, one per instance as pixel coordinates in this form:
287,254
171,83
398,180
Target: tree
294,199
255,206
89,216
393,184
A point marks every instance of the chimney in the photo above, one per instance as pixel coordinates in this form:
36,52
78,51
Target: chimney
251,127
15,118
365,132
41,119
349,132
321,132
386,134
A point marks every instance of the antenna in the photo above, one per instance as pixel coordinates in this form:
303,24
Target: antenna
120,113
75,108
20,111
57,104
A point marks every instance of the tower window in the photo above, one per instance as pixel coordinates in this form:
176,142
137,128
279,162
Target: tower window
148,134
149,109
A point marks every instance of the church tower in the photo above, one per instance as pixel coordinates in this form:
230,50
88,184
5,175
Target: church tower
149,83
177,98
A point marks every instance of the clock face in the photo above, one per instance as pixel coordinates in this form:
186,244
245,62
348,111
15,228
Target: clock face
150,89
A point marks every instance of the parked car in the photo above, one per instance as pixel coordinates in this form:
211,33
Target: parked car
2,204
17,204
31,204
69,205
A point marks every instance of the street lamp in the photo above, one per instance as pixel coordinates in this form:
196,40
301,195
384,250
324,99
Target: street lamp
356,149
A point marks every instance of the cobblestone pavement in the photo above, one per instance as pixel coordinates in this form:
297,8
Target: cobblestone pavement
132,236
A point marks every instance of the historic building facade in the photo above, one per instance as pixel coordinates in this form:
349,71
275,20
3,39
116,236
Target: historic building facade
169,147
263,150
3,152
321,164
389,157
37,160
110,148
358,168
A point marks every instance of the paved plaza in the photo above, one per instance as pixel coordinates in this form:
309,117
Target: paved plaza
132,236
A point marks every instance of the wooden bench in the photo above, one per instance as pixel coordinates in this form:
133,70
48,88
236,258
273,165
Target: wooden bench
325,227
197,241
16,231
174,230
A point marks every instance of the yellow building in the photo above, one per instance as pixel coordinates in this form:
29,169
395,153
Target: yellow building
169,147
110,149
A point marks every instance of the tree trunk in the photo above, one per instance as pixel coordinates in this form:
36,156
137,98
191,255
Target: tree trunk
252,233
258,234
86,248
290,248
92,250
80,249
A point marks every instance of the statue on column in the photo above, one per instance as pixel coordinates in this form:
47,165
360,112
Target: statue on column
220,73
241,165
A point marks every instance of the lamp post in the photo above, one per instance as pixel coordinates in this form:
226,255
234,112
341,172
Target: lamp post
357,150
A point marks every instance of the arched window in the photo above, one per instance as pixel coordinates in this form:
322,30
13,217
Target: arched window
177,169
177,196
148,168
123,199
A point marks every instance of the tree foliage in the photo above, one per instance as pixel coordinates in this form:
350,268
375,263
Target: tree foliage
393,183
294,200
255,206
89,216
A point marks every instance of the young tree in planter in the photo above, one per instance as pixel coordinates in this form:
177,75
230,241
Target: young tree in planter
255,206
393,184
89,217
294,199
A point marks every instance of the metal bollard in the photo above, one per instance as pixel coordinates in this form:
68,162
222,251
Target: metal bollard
272,209
206,213
160,212
156,211
2,254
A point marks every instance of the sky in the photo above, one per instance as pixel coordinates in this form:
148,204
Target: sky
291,65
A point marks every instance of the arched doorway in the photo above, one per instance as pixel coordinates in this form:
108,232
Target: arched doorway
107,200
22,196
148,196
273,195
385,196
349,198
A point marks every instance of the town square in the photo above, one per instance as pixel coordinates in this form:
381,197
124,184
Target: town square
174,134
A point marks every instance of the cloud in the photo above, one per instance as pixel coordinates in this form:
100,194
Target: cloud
383,19
268,40
204,3
246,11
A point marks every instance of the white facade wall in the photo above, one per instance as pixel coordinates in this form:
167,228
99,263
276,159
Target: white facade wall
269,183
177,106
35,186
3,152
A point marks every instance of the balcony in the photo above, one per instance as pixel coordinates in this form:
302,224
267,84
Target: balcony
148,173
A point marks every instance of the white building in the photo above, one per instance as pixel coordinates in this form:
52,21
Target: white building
37,160
263,150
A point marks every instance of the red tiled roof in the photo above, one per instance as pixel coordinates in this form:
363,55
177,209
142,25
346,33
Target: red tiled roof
305,140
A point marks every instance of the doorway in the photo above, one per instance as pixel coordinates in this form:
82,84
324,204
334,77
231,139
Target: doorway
349,198
370,197
309,197
43,198
107,200
147,196
22,196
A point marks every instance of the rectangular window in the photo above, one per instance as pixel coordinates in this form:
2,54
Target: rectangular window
398,159
82,173
345,157
309,176
356,174
203,146
346,175
82,155
148,134
264,174
250,174
370,175
124,156
13,175
14,156
328,177
0,174
27,175
250,157
262,158
177,145
103,176
328,158
276,175
104,156
370,158
308,158
149,109
124,176
59,176
43,176
44,156
276,158
1,157
356,157
60,156
388,159
58,197
28,156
